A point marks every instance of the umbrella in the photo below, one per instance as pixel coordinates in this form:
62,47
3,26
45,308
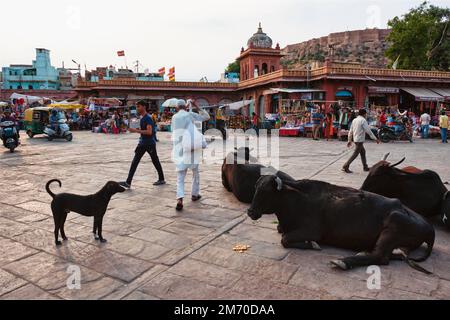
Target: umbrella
171,103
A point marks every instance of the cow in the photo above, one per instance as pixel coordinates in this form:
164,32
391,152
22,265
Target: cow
240,177
421,190
313,213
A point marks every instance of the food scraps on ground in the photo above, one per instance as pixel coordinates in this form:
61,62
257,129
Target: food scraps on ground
241,248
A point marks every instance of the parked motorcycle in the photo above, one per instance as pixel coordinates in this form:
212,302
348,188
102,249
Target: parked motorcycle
400,131
61,132
9,135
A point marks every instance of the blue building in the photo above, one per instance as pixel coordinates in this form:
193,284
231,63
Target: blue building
40,75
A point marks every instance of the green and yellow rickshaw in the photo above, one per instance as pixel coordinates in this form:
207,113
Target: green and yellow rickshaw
36,120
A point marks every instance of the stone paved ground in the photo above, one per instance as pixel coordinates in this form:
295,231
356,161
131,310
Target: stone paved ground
154,252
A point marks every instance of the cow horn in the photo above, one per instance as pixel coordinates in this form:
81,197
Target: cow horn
398,163
386,156
279,183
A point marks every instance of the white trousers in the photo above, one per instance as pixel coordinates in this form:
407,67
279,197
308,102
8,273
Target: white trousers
181,176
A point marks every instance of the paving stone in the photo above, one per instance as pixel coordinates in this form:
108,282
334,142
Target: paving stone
163,238
262,267
28,292
116,265
9,282
209,273
11,251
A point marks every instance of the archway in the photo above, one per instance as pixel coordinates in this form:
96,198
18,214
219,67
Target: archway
264,69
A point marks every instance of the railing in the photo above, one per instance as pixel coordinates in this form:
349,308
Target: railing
158,84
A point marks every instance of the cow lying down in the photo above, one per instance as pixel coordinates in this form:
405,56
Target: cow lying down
240,177
311,213
421,190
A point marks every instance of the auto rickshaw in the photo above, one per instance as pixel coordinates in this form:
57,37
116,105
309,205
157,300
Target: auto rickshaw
36,120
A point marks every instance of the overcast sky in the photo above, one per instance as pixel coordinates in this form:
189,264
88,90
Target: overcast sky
199,37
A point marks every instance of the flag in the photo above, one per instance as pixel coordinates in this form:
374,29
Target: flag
121,53
395,65
172,74
162,71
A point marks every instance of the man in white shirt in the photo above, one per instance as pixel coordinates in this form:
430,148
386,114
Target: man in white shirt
357,135
181,123
425,120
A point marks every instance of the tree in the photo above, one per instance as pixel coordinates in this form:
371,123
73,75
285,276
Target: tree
234,67
421,38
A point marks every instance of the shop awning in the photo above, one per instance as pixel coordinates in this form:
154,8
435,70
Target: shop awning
240,104
422,94
344,94
443,92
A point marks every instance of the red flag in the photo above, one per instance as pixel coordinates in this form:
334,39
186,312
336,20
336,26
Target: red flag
162,71
121,53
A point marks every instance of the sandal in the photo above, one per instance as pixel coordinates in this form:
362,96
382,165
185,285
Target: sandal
196,198
180,206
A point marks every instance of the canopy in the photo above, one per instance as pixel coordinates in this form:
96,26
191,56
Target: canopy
3,104
171,103
66,106
28,99
344,94
443,92
240,104
422,94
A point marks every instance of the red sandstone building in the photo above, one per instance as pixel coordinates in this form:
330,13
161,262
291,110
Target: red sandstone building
264,81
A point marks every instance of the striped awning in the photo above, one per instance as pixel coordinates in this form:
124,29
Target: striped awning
443,92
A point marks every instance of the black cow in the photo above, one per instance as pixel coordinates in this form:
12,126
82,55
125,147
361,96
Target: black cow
421,190
240,177
311,213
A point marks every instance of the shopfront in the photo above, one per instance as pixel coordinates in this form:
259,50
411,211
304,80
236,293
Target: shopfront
382,96
420,100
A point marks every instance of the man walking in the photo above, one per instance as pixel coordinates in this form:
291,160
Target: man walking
317,120
183,127
357,134
147,144
444,125
425,120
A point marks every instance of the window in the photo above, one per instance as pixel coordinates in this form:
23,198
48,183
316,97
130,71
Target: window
264,68
30,87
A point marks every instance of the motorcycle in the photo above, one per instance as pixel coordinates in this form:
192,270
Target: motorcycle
9,136
400,131
61,132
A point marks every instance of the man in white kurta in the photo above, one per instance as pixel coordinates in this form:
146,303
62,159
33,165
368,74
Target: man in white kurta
181,122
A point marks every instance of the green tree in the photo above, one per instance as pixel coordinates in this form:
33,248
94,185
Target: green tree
421,38
234,67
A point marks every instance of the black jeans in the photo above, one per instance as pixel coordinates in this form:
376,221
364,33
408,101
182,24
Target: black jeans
139,153
359,150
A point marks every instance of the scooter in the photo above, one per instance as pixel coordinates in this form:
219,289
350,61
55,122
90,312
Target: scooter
62,132
9,136
396,133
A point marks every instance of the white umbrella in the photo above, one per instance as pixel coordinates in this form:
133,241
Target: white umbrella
171,103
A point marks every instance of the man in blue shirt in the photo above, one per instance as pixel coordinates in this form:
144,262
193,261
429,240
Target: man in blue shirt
147,144
317,120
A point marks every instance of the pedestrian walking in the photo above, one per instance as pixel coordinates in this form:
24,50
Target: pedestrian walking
425,120
255,123
357,135
187,149
147,144
317,120
444,125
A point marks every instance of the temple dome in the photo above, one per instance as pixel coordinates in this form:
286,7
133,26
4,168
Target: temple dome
260,40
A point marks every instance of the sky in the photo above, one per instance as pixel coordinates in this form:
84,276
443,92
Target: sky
198,37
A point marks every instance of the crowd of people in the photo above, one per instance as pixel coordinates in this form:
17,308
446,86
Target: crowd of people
325,124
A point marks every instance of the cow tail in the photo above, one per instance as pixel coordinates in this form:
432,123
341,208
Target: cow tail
412,262
47,187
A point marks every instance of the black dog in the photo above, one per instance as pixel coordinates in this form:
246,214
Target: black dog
94,205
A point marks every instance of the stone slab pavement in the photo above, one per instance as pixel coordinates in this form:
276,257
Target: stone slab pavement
153,252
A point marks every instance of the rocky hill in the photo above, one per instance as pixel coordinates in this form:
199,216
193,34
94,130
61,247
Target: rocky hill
366,47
